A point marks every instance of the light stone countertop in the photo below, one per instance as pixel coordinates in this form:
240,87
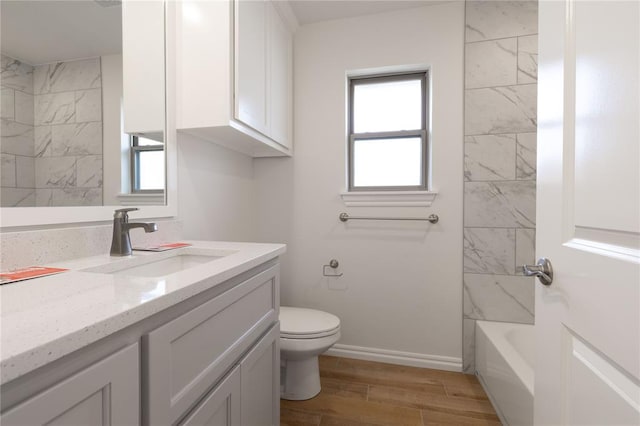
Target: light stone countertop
46,318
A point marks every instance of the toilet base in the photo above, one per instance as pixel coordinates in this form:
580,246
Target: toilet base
300,379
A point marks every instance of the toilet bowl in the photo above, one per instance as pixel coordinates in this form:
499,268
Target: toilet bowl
304,334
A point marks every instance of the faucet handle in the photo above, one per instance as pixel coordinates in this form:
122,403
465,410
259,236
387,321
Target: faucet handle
123,213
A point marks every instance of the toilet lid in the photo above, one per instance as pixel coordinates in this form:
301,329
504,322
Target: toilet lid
305,323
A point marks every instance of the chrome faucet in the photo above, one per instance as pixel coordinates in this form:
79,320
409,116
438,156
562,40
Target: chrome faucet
121,242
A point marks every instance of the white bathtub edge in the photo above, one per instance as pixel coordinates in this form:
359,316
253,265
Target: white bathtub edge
496,407
511,356
496,362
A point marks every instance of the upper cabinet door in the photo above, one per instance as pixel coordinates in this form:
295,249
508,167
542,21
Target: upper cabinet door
143,61
251,64
280,79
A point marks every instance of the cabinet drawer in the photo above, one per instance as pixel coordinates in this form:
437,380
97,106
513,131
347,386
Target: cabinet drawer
188,355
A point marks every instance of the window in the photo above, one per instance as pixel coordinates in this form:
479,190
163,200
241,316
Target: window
147,165
388,133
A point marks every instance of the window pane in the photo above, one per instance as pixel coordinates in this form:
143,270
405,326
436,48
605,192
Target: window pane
146,141
151,169
383,107
387,162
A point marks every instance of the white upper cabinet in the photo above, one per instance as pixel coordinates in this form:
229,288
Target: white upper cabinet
251,71
235,74
280,77
143,57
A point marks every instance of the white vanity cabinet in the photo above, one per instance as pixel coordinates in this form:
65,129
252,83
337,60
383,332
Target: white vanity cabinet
187,356
234,74
210,359
105,393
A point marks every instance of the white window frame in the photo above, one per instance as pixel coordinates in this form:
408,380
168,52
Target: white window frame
422,133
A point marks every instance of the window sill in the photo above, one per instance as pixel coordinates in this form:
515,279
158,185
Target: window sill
141,199
388,198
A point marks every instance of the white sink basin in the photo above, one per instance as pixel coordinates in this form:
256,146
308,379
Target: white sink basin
153,265
168,266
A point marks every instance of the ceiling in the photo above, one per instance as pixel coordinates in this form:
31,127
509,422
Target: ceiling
311,11
45,31
39,32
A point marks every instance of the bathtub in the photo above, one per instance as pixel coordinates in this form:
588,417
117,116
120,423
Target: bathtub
505,355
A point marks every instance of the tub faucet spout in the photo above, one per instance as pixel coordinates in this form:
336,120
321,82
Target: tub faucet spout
121,242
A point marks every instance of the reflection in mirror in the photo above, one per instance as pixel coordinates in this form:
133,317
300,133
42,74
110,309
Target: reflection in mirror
63,137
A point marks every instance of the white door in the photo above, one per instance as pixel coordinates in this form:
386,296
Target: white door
588,217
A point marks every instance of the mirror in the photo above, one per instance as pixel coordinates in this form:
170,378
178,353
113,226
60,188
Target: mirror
75,129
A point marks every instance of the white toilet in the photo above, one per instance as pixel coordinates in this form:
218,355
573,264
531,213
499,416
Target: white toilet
304,334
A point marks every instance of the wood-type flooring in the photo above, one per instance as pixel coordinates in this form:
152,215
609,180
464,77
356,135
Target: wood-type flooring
357,393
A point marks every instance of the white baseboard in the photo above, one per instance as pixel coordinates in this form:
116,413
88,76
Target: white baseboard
411,359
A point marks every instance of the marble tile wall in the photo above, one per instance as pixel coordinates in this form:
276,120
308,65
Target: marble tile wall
16,134
51,132
68,133
499,164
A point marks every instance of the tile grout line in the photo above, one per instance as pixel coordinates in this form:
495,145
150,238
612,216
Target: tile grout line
500,38
494,86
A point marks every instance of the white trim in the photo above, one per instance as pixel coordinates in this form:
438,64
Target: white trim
29,216
392,69
388,198
141,199
411,359
13,217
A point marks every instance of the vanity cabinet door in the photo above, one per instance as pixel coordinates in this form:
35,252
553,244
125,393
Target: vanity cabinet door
221,407
251,64
106,393
260,372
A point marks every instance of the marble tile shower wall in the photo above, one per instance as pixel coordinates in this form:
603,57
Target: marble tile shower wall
68,133
499,164
51,133
16,133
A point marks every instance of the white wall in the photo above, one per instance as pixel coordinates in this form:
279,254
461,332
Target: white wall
402,284
215,191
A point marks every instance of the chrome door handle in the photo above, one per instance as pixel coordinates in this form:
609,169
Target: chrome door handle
542,270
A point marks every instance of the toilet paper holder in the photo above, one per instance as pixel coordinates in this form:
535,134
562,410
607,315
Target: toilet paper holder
333,264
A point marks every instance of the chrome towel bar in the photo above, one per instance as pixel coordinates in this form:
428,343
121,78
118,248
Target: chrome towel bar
433,218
